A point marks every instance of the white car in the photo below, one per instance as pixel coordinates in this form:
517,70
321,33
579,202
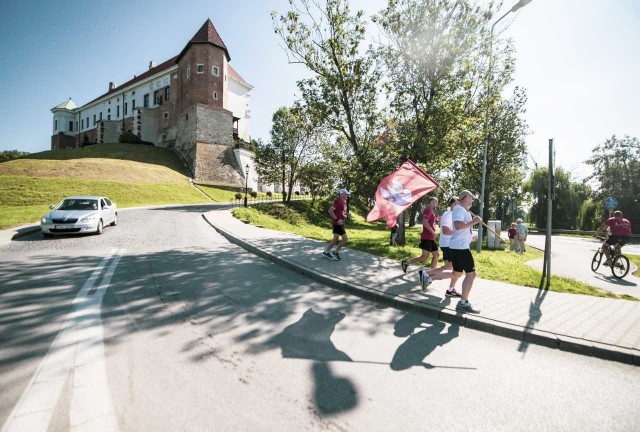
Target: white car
79,215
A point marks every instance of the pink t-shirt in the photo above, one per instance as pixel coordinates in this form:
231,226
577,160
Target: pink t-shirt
340,210
430,217
619,226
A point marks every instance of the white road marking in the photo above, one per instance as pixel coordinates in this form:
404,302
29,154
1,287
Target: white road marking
77,348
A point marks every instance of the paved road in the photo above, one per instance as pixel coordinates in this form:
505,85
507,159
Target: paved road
160,324
571,257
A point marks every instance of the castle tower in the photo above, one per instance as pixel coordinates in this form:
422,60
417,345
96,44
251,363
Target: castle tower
65,125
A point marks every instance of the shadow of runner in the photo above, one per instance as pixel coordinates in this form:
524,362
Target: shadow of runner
420,344
310,338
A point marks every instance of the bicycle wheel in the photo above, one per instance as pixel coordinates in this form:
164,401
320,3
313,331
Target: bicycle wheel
620,266
595,263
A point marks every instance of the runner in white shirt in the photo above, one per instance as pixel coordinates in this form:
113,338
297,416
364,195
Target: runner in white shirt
461,256
446,231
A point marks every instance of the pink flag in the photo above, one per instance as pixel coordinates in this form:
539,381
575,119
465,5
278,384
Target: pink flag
399,190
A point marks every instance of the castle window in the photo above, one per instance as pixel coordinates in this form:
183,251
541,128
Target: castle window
109,109
200,68
146,100
100,116
94,119
87,122
126,108
188,72
118,111
82,123
156,97
55,125
108,116
167,93
215,95
165,115
215,70
133,105
70,126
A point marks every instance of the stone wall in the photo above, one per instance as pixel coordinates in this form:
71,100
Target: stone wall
217,165
62,141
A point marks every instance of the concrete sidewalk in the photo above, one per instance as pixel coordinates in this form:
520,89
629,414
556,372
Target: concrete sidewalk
600,327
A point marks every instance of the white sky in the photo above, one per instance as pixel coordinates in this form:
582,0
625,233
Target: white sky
577,59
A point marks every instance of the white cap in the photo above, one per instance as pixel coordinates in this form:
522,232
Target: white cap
344,191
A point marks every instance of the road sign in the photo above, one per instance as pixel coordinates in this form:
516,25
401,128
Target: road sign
610,203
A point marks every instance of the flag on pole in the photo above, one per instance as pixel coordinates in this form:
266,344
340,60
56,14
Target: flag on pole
399,190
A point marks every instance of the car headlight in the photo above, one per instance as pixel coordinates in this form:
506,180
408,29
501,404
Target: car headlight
87,219
44,219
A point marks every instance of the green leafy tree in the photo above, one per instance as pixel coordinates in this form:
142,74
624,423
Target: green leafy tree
293,145
7,155
343,88
569,196
616,168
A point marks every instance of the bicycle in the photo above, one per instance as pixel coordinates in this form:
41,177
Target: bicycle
619,263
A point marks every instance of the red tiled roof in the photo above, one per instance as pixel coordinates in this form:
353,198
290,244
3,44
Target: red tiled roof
235,75
206,34
161,67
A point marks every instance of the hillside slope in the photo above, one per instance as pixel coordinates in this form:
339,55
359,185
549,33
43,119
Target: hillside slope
130,174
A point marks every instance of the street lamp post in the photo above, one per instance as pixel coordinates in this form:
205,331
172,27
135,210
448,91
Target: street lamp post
520,4
246,183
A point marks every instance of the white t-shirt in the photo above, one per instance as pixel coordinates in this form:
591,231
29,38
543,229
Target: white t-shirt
461,239
445,221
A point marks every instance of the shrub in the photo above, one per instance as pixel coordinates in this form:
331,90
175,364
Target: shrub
130,138
254,194
269,193
297,192
238,195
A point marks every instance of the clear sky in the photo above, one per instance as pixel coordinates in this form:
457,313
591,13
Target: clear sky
579,61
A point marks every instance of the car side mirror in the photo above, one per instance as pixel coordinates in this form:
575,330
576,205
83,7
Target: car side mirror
52,207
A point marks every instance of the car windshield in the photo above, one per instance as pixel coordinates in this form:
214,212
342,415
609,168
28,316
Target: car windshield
73,204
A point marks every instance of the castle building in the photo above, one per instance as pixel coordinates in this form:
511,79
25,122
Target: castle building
194,103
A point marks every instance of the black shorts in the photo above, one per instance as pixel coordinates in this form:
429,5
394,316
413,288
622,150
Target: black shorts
339,229
446,253
428,245
612,240
462,260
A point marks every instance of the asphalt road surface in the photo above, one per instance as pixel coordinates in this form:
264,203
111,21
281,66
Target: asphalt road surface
160,324
572,256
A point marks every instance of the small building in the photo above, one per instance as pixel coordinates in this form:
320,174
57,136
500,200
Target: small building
194,103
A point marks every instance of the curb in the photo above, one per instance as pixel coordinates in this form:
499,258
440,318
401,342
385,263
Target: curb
474,322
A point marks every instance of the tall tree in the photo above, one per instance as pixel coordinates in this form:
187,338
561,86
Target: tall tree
569,196
293,145
616,167
343,89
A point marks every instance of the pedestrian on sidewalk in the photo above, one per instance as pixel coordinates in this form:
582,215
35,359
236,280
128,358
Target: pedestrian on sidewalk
461,256
521,235
427,243
338,213
512,237
394,234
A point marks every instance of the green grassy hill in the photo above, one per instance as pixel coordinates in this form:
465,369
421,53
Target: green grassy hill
130,174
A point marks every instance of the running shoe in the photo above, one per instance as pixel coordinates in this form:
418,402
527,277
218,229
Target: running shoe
452,293
336,256
404,265
327,254
466,307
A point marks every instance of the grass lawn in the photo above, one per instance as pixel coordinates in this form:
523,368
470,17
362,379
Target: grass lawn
302,219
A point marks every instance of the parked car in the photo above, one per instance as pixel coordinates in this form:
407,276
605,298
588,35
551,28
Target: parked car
79,215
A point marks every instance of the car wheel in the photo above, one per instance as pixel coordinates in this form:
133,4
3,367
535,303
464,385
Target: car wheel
100,227
115,220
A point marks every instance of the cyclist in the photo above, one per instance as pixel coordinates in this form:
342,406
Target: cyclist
620,232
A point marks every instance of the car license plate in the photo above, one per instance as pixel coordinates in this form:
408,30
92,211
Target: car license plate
64,226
